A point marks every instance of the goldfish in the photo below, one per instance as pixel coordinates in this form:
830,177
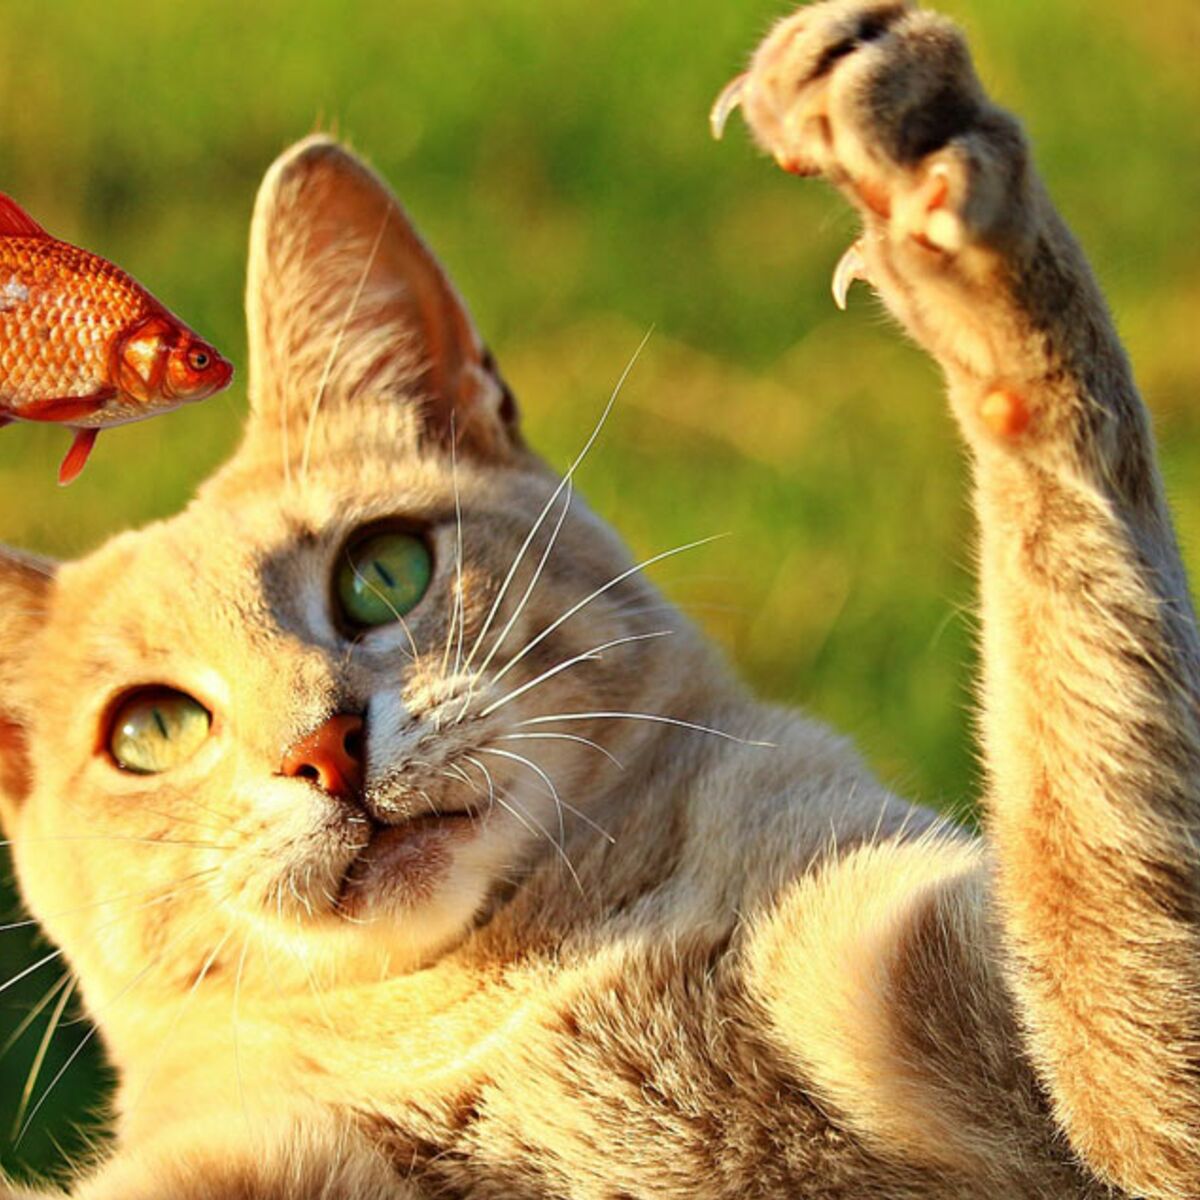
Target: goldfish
85,345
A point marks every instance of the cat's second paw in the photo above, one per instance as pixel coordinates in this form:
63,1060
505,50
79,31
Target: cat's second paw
882,100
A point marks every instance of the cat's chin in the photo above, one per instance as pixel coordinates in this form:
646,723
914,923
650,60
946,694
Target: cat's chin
404,866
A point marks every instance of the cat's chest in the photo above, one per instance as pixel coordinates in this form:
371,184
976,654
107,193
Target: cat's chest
641,1071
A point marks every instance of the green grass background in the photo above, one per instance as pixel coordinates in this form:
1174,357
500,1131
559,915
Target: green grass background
557,155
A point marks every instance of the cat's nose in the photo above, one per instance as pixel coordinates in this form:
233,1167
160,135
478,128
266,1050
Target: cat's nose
331,756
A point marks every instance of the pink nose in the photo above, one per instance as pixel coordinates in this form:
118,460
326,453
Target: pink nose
331,756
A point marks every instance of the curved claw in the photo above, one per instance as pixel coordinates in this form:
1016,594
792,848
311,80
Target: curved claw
729,99
851,266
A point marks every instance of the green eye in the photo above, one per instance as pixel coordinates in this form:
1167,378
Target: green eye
382,578
158,729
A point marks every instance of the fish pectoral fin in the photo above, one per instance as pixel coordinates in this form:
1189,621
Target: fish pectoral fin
67,408
77,456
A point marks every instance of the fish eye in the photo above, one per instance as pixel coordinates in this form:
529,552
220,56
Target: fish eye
381,577
198,359
155,729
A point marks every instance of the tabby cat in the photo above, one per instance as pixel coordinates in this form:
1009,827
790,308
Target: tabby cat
399,852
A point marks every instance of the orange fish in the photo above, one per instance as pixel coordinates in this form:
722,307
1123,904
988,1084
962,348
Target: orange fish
84,344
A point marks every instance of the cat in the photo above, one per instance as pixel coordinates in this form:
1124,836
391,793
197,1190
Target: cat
406,843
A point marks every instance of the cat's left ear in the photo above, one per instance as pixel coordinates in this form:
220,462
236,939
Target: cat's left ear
25,586
346,306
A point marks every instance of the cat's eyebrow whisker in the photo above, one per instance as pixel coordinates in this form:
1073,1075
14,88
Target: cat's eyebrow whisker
564,482
592,655
563,737
654,718
40,1057
335,348
620,578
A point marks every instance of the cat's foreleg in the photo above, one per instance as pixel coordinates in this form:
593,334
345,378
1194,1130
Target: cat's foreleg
298,1156
1091,687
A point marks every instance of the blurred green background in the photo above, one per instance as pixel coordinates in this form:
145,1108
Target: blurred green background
557,155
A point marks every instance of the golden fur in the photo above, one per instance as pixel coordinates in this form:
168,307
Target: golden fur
738,966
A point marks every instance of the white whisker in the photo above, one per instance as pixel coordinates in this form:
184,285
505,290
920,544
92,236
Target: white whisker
102,837
66,912
87,1037
41,962
39,1059
459,608
519,758
612,583
558,800
562,737
496,797
91,1033
591,655
35,1012
656,718
491,785
516,615
562,483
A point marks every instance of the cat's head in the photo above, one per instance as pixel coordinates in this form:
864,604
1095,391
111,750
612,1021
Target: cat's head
310,725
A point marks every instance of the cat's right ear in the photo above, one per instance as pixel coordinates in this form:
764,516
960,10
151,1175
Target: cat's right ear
25,586
354,326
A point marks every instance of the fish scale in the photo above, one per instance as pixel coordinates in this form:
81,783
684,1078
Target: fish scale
84,344
61,309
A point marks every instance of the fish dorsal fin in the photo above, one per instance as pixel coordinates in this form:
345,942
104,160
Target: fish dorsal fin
16,222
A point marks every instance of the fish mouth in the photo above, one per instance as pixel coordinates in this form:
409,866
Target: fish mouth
402,865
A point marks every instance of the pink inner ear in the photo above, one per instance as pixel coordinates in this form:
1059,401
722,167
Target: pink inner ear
326,225
16,777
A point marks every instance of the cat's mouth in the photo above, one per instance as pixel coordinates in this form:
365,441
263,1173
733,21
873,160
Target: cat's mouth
403,864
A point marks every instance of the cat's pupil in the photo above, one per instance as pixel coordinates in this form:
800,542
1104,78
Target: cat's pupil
382,577
156,729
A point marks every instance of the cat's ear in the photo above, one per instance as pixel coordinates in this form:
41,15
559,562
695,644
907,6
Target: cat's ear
25,586
346,306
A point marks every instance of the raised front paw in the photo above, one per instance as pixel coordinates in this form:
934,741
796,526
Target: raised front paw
882,99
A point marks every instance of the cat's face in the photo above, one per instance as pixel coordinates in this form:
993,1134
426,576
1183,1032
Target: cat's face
303,729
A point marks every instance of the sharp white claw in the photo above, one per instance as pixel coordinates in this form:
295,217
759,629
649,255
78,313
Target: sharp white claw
851,266
729,99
